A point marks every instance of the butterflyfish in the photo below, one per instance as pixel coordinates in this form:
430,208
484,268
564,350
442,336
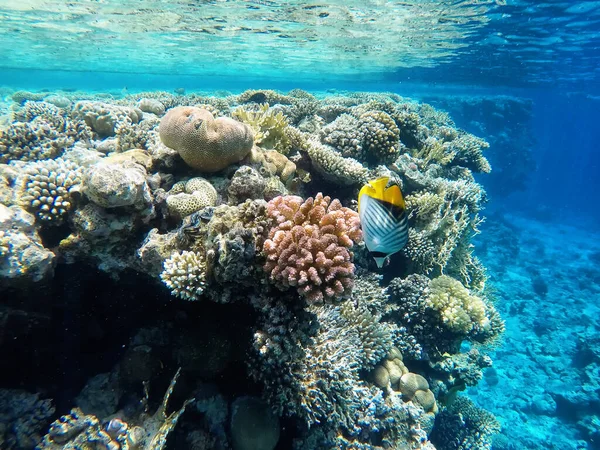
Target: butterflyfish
383,218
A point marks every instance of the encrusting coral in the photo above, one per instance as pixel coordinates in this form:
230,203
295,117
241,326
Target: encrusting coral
205,143
308,246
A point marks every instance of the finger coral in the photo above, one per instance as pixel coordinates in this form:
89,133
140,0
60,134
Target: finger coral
205,143
46,188
308,247
185,273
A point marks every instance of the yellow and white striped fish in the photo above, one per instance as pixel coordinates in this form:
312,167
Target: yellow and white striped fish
383,218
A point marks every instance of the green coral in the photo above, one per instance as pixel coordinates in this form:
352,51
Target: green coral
270,127
460,311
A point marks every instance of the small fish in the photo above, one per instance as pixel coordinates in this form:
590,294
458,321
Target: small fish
383,218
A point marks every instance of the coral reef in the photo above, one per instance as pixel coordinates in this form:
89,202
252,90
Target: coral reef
308,246
204,143
111,184
23,257
23,417
332,354
79,430
269,127
42,131
464,426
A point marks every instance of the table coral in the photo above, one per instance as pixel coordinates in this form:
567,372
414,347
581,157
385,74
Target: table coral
205,143
308,246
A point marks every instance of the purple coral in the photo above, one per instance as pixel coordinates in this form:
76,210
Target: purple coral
308,247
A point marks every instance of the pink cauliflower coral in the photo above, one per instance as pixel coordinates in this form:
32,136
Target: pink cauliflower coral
308,246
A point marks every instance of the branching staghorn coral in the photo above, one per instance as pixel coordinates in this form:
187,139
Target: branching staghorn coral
443,215
308,246
310,361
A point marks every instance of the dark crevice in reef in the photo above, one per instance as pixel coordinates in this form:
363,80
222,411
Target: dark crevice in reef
80,326
51,236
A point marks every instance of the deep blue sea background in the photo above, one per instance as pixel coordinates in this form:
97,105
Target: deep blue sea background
541,239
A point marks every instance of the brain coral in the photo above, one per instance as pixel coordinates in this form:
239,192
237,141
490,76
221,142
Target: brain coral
187,197
205,143
308,246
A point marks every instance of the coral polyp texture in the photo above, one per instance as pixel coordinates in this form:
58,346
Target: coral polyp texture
47,188
187,197
184,274
308,246
243,205
205,143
